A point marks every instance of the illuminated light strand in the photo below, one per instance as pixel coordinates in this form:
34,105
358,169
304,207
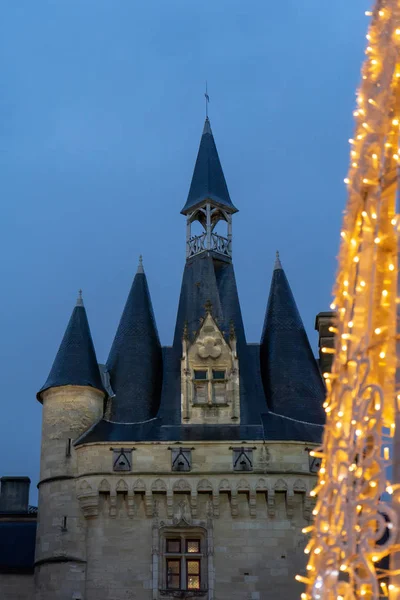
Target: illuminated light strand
355,452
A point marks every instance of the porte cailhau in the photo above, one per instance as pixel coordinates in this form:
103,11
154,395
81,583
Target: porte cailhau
179,471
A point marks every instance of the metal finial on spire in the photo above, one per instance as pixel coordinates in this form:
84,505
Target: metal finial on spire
278,264
207,97
140,266
79,301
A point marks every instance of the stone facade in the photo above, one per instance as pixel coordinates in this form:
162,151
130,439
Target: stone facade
16,586
102,532
208,400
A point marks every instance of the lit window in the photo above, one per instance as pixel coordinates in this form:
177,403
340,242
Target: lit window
184,566
193,574
193,546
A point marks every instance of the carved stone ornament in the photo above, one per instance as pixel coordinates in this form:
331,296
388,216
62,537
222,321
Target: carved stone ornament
182,514
209,347
122,459
183,593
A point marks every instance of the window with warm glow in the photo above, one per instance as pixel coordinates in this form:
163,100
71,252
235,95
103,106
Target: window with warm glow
183,560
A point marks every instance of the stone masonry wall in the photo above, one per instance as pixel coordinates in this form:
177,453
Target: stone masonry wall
252,520
16,587
60,553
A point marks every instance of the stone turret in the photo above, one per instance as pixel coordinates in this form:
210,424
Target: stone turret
73,400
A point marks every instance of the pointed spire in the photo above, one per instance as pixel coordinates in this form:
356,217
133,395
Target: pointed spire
208,181
278,264
135,361
75,362
140,268
207,127
79,300
292,382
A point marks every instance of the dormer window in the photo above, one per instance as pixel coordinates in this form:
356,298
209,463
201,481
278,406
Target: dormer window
209,386
210,375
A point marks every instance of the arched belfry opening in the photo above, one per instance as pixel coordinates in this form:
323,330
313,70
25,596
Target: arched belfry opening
214,233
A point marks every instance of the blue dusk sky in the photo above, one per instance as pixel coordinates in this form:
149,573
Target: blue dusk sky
101,112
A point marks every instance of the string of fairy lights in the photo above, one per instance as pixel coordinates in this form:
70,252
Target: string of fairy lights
353,543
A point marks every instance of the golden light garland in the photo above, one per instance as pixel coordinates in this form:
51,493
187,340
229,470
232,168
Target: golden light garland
355,525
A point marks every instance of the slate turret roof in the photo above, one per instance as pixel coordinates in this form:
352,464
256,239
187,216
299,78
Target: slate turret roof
75,362
292,382
135,361
208,179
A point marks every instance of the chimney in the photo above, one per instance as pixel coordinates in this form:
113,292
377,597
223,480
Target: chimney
325,325
14,494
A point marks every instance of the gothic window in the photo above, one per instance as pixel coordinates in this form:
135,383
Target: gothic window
122,459
242,459
209,386
184,564
181,459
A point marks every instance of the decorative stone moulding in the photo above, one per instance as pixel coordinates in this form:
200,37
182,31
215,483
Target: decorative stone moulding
90,492
184,593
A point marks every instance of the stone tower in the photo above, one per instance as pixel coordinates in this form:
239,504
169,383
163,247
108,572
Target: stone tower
181,471
73,399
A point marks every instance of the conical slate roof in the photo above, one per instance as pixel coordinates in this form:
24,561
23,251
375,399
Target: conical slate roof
75,362
292,382
135,361
208,179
